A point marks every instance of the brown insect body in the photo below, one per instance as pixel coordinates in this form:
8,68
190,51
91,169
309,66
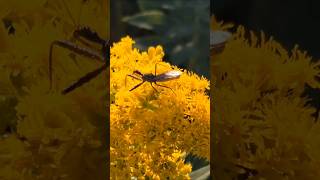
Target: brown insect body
83,35
163,77
154,78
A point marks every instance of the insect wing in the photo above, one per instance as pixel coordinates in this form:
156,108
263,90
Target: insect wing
218,40
167,76
218,37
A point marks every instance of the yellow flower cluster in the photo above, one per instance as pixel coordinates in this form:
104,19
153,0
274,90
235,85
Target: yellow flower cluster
264,127
45,135
152,130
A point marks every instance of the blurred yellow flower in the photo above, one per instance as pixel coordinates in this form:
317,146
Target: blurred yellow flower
45,135
263,125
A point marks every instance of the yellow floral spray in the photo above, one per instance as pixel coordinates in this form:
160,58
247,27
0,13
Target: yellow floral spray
264,128
153,130
50,136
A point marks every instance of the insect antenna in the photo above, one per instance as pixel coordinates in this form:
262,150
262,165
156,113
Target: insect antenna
75,23
87,34
155,67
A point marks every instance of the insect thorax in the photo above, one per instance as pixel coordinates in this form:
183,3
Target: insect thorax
149,77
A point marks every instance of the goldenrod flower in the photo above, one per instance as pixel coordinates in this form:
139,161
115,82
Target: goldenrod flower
60,137
263,124
151,130
55,136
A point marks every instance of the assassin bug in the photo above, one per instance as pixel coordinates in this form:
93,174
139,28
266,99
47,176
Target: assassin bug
154,78
102,56
81,34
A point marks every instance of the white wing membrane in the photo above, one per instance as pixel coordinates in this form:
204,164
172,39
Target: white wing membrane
174,74
218,37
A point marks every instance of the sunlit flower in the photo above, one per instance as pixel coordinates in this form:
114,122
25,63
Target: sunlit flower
161,123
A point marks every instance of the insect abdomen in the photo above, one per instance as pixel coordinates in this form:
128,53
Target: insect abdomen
168,76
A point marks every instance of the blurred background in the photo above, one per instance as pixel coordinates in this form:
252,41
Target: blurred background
289,22
180,27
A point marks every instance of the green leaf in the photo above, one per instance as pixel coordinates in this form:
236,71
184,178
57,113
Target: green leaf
146,20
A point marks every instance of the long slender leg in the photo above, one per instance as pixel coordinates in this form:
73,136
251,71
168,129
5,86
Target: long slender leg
137,86
85,34
81,40
84,79
75,48
165,87
153,87
137,72
89,35
125,82
134,77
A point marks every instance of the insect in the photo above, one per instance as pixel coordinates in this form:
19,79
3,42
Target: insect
83,34
154,78
218,40
102,56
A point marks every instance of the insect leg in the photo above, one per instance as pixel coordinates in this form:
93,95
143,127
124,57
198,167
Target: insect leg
137,86
134,77
153,87
125,82
165,87
86,78
88,34
77,37
85,34
137,72
75,48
